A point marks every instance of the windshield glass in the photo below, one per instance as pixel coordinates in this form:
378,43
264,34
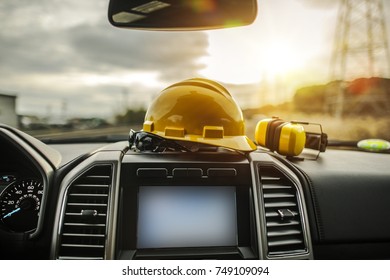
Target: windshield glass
65,72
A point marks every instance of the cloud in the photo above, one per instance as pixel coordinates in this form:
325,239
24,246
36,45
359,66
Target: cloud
48,48
174,55
49,45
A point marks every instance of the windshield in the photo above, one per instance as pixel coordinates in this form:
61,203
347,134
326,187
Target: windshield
65,72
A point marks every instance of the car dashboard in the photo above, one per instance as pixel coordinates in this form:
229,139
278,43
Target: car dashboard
105,201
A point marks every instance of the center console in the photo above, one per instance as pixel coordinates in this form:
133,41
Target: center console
177,206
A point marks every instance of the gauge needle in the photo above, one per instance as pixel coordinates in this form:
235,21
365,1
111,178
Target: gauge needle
11,213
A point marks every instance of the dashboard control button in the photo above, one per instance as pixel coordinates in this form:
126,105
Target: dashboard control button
195,172
221,172
187,172
179,172
152,172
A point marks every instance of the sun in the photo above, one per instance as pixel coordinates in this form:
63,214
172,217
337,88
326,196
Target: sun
240,57
279,60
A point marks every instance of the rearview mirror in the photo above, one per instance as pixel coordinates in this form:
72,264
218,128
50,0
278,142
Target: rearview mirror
181,14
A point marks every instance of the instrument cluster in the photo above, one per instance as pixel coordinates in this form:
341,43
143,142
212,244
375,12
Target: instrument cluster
20,202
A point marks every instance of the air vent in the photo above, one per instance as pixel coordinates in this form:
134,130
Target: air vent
282,213
83,233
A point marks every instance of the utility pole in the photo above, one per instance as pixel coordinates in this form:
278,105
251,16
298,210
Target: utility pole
361,48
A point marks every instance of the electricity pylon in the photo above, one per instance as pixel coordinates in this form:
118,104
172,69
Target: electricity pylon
360,49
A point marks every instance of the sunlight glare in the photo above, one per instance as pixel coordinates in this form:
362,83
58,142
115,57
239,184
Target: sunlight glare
279,60
250,61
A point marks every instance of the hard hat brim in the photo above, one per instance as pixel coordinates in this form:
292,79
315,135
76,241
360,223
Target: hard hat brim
240,143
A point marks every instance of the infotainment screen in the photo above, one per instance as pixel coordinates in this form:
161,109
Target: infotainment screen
182,216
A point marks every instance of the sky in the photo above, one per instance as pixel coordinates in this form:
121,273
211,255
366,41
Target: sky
62,58
286,35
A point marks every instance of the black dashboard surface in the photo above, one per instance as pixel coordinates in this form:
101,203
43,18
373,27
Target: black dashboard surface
351,195
350,192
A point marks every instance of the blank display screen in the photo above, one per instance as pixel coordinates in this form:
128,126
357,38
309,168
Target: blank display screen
174,217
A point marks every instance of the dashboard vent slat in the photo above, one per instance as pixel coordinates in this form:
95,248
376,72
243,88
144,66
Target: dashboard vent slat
282,204
84,223
78,258
280,224
285,233
291,241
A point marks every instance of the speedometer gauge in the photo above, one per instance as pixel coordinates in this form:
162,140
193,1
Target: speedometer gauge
20,203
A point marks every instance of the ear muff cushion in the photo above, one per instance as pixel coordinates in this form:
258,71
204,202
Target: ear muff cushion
272,142
292,139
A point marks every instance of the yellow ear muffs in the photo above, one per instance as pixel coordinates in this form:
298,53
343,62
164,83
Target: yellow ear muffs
285,138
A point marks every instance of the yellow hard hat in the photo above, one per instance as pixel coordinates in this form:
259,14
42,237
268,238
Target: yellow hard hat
198,110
